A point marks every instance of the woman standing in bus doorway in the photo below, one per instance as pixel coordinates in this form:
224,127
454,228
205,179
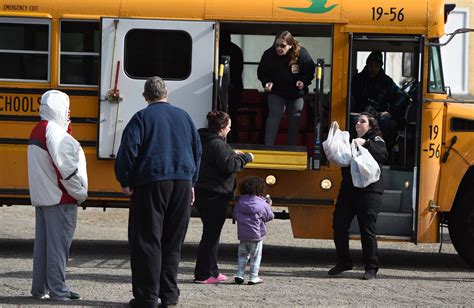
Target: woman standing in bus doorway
363,202
285,70
214,189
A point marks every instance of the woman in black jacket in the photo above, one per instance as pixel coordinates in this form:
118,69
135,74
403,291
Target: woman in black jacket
363,202
285,70
214,189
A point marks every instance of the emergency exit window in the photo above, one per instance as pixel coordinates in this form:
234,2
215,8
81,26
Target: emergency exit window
24,49
80,46
164,53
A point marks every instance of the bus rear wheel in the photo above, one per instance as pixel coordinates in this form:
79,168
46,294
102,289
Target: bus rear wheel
461,224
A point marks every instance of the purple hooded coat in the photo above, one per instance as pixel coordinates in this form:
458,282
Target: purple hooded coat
251,214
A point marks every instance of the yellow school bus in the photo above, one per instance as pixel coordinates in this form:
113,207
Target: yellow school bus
100,53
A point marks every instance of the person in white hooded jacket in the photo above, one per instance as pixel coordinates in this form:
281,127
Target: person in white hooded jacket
57,178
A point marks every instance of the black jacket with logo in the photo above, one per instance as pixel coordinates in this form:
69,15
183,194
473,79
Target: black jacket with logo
219,164
276,69
376,146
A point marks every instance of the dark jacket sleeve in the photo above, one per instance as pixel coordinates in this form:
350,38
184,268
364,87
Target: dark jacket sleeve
397,100
377,148
308,67
197,153
128,151
228,161
263,70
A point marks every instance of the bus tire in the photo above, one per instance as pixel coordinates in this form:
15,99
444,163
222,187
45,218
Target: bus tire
461,223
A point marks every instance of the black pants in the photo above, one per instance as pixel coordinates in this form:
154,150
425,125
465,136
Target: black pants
366,205
158,221
212,209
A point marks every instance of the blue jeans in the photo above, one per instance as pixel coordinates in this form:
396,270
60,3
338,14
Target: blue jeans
276,107
253,251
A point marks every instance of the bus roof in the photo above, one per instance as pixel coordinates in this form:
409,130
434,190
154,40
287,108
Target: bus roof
359,16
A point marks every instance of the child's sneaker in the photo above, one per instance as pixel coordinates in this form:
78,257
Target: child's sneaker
255,281
238,280
41,296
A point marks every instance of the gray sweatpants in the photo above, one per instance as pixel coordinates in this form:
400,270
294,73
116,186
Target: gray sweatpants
55,226
276,107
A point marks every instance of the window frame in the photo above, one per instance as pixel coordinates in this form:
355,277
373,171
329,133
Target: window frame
77,53
439,71
30,21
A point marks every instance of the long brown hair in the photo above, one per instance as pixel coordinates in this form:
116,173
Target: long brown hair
294,53
373,124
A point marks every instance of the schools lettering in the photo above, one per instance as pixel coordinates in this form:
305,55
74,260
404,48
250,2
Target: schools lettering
19,103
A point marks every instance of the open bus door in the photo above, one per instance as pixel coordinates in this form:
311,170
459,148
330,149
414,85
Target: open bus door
181,52
399,216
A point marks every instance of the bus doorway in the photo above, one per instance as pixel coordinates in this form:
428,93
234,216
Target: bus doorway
395,101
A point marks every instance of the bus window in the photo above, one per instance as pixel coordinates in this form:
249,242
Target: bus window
24,49
79,59
436,82
161,53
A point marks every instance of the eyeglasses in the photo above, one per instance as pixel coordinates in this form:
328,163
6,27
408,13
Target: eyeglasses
280,45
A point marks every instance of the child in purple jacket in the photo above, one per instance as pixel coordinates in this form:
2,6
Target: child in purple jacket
251,212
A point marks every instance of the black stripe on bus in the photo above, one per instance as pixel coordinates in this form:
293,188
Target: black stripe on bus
41,91
25,118
25,141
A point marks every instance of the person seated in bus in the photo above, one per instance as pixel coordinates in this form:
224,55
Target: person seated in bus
228,48
375,92
285,70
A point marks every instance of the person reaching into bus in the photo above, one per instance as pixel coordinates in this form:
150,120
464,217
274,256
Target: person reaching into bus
285,70
157,165
57,178
214,189
251,212
375,92
364,203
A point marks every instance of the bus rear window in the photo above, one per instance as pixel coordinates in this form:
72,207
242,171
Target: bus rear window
80,46
161,53
24,49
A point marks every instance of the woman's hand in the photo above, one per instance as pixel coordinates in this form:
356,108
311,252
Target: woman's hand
300,84
360,141
238,152
268,86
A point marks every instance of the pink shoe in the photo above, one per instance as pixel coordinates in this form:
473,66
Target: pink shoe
210,280
221,277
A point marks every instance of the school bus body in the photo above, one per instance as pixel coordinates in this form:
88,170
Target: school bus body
310,207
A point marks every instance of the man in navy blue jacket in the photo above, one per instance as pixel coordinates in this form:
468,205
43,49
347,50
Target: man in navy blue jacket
157,165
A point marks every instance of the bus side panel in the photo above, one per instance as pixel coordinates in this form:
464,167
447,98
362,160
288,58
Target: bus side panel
430,158
461,156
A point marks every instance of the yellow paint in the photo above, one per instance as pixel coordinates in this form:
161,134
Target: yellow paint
461,156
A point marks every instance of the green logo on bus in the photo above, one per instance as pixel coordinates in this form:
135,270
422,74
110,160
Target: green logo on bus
316,7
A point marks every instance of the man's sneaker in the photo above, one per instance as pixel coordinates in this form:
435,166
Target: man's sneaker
71,296
338,269
238,280
369,275
41,296
255,281
221,277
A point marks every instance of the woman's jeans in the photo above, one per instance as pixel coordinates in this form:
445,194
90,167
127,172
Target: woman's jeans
253,251
276,107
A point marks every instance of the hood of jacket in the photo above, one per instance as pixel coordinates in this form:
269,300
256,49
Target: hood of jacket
55,108
249,206
206,135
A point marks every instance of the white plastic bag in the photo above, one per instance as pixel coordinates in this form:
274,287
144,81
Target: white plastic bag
337,146
364,168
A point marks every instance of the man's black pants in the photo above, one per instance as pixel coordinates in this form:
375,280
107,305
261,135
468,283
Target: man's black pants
212,209
158,221
366,205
